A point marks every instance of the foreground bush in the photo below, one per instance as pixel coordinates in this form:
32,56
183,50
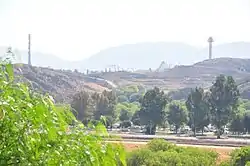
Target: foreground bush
161,153
35,132
240,156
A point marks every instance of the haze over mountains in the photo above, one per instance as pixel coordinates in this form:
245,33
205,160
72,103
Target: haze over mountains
138,56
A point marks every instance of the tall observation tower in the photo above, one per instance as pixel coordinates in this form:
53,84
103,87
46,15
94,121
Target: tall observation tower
29,53
210,41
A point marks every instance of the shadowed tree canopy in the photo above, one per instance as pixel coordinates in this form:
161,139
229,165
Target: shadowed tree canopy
105,106
152,107
198,110
177,114
81,105
223,101
89,106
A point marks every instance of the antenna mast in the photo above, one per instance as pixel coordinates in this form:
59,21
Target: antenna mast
29,53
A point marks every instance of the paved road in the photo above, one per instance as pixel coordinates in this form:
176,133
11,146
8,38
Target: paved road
172,137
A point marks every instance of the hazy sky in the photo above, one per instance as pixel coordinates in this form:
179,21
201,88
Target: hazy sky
76,29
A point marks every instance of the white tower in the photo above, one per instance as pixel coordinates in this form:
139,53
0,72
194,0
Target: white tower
210,41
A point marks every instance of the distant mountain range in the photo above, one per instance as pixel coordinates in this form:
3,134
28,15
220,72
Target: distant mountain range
138,56
39,59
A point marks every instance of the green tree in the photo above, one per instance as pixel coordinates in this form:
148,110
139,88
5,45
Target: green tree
246,121
164,121
82,107
126,110
122,98
125,115
110,112
101,104
180,94
177,115
131,89
135,97
105,106
136,119
223,101
199,114
237,123
152,109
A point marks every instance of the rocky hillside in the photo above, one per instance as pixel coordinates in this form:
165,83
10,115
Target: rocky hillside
189,76
61,84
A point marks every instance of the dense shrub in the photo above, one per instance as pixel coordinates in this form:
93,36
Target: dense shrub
225,163
33,131
241,156
160,145
162,153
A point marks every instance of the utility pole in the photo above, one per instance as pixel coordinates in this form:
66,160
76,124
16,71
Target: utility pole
210,41
29,53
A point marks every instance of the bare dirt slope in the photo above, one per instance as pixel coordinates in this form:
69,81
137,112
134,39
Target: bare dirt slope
61,84
199,74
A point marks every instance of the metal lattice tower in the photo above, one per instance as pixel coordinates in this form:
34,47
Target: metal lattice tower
210,41
29,53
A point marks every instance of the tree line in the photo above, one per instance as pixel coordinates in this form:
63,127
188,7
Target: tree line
220,105
89,107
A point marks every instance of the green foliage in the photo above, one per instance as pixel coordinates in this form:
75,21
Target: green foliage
199,114
131,89
108,110
126,110
125,115
122,98
237,122
223,101
240,156
136,119
33,131
177,114
245,104
180,94
131,107
126,123
130,93
247,121
81,103
160,145
160,153
152,107
225,163
135,97
89,107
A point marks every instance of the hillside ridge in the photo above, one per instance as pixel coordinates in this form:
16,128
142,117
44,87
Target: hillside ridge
62,84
